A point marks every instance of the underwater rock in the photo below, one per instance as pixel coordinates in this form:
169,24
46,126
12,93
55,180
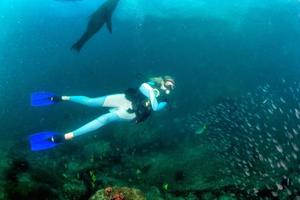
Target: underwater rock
25,186
2,192
118,193
28,189
179,175
73,166
153,194
22,181
191,196
208,196
4,164
74,189
17,166
226,197
111,181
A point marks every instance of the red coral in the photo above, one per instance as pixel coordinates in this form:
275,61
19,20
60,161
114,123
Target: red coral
118,196
112,194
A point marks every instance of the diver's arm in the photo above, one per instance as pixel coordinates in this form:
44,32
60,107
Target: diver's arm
147,90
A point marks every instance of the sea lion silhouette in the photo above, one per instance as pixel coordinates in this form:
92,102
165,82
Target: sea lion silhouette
100,17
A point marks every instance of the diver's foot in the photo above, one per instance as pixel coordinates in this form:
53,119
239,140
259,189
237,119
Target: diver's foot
56,99
69,136
57,139
65,98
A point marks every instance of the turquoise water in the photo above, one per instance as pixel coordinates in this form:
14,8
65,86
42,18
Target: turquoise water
231,60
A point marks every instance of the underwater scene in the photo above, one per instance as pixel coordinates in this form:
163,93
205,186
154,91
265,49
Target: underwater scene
150,99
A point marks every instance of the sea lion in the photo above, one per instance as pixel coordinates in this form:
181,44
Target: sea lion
100,17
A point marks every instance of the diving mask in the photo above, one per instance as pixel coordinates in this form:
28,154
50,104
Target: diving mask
169,85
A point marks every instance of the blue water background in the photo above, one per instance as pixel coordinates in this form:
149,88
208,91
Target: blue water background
214,49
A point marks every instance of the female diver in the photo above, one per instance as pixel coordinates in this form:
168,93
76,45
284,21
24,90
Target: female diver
135,104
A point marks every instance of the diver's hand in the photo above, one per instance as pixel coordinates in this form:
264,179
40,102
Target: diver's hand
169,106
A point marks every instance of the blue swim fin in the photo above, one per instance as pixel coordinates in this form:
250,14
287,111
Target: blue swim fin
43,140
42,98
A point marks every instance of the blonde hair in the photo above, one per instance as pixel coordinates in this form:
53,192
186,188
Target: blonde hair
157,79
170,78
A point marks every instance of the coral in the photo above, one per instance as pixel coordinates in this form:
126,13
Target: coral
118,193
118,196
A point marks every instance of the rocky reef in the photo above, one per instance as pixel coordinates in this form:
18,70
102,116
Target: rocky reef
118,193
